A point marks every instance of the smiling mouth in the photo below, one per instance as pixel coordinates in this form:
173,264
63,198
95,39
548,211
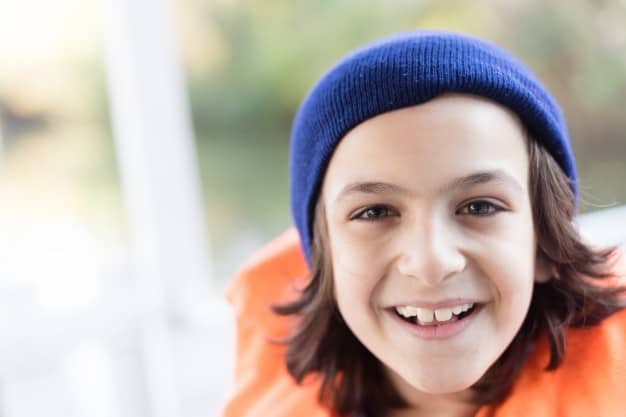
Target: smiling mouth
439,317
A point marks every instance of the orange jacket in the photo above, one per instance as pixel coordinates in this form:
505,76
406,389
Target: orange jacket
590,382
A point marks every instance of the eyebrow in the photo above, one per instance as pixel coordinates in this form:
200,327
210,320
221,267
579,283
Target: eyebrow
465,182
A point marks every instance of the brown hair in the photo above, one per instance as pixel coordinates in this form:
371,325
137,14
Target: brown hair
577,296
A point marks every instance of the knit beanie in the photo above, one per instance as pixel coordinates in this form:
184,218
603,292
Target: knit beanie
405,70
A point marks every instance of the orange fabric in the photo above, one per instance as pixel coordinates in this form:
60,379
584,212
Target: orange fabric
591,382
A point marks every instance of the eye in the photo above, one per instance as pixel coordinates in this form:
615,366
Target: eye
373,213
479,208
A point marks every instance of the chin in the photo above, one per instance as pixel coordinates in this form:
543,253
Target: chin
443,387
441,383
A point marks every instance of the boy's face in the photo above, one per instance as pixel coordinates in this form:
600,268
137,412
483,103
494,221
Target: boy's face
428,214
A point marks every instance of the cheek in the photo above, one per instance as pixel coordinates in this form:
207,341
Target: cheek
358,270
360,251
355,279
510,268
514,295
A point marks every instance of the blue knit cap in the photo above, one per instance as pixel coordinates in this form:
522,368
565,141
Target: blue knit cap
402,71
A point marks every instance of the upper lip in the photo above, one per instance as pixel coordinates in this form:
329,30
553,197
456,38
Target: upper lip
450,302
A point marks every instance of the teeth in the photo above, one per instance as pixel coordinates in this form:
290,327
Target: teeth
402,311
443,314
412,311
462,308
407,311
457,310
426,315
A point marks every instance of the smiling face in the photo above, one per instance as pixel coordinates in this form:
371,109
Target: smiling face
429,217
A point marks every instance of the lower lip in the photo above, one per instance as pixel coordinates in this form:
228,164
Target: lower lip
439,331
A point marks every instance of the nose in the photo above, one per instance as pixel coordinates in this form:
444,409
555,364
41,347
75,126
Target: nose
431,252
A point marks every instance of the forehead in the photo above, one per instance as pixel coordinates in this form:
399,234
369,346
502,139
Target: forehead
425,146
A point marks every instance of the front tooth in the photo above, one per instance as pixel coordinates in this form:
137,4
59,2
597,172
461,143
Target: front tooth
424,315
443,314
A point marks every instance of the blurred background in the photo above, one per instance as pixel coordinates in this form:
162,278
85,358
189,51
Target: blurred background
143,158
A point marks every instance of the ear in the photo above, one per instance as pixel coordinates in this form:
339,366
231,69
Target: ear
544,269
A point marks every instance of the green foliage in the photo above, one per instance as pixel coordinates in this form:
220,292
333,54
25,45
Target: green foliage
275,50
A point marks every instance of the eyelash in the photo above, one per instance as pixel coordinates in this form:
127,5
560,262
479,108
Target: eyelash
359,214
492,209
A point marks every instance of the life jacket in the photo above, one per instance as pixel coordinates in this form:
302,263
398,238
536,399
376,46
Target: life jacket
590,382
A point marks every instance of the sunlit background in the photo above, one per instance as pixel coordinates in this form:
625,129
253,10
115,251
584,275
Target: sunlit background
143,158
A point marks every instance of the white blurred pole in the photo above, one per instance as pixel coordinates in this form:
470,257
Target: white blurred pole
1,142
160,181
605,227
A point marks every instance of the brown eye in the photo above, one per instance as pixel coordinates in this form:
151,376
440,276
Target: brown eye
479,208
373,213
